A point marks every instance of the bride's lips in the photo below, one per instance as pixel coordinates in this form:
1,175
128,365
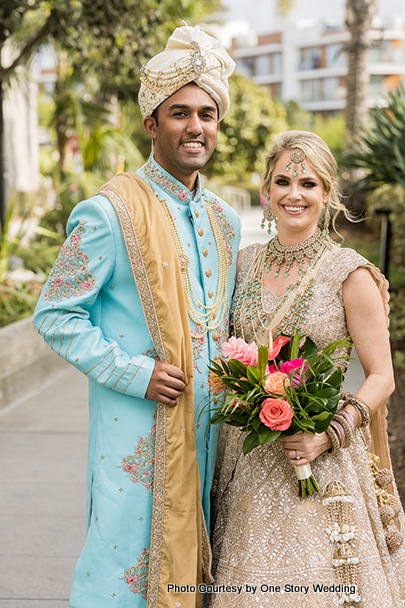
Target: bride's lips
295,209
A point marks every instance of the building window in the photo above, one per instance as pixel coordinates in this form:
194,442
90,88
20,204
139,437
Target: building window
331,90
376,87
276,90
311,90
246,66
335,58
262,65
388,51
309,58
276,63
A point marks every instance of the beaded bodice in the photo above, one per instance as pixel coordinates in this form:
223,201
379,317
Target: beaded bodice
324,315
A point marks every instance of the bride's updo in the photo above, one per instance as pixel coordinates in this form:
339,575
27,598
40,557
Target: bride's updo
320,158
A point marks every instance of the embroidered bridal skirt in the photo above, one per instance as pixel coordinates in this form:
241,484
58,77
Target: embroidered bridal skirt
272,548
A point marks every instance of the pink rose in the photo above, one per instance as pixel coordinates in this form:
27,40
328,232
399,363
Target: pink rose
236,348
288,366
276,414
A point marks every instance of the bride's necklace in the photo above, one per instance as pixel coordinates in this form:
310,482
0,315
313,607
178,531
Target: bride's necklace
248,312
281,255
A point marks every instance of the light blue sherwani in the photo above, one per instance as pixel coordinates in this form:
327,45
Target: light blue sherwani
90,313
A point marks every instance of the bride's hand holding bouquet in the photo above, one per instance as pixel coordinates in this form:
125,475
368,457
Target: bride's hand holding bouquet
277,391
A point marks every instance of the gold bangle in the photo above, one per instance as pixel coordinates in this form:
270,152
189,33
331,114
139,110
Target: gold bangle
346,427
335,440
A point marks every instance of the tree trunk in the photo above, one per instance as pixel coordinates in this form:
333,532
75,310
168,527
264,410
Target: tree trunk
359,16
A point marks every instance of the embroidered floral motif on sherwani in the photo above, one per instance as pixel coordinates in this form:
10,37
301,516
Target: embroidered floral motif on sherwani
167,183
228,231
137,576
70,275
140,465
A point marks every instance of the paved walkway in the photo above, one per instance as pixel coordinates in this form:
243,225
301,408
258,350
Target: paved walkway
43,450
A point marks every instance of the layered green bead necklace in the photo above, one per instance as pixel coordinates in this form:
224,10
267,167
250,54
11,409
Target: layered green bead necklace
249,317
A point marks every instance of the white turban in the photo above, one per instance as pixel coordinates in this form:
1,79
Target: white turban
190,55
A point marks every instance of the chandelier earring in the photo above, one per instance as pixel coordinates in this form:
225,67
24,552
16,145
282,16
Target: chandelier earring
326,221
268,216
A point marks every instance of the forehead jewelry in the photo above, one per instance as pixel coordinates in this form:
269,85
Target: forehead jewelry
297,156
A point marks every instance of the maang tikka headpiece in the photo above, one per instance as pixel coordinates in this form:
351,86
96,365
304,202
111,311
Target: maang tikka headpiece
297,156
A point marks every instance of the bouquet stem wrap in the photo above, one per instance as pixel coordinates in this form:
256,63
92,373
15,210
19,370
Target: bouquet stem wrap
307,482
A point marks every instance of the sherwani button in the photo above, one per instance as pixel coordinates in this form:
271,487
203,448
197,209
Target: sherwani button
208,272
197,214
205,252
210,293
216,336
200,231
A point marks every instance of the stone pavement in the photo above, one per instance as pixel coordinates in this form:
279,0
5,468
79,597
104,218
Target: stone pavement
43,453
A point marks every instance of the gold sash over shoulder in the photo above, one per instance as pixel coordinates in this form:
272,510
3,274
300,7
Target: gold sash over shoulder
179,550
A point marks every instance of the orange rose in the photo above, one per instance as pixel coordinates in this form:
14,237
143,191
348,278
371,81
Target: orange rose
276,383
276,414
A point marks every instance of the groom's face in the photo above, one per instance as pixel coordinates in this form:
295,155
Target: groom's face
184,131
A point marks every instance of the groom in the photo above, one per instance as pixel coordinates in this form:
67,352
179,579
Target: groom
138,300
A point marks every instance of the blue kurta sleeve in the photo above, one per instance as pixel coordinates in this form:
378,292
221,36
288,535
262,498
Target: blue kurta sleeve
77,308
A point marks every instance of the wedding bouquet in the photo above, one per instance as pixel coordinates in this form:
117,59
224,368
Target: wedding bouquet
284,388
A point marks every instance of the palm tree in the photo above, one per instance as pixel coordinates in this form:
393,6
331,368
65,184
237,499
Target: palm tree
359,17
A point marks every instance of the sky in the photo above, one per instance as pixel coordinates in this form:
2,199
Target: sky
263,18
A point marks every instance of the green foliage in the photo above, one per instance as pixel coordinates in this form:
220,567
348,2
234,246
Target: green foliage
246,132
392,197
332,129
380,149
16,303
110,39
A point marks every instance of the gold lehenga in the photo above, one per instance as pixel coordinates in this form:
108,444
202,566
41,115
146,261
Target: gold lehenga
264,534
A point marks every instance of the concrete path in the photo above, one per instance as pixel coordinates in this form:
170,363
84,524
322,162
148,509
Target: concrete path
43,451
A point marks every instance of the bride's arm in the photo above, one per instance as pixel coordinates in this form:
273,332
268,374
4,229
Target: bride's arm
367,326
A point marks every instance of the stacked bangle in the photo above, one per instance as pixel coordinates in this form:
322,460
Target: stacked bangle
341,430
347,415
363,409
334,438
346,427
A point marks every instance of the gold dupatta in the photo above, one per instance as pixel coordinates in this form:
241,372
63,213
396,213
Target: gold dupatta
179,550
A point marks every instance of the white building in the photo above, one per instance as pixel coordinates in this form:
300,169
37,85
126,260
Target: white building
306,62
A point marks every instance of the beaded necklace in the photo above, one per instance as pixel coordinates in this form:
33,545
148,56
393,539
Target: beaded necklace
249,317
283,255
206,320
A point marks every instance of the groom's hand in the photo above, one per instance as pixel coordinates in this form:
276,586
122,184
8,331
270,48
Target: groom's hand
166,383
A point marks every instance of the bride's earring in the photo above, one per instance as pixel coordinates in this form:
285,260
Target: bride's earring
326,221
268,216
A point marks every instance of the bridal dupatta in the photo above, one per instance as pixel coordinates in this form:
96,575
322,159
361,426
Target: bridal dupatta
179,551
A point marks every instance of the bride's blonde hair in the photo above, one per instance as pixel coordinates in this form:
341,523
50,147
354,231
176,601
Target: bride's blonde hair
320,158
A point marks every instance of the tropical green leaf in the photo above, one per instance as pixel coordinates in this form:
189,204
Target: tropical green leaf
251,442
238,368
262,359
267,435
253,374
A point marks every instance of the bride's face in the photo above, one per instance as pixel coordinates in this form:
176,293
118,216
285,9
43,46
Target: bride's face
297,200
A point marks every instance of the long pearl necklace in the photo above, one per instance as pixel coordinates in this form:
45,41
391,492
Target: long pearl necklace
209,319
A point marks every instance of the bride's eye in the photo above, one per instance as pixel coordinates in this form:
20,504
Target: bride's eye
309,185
281,182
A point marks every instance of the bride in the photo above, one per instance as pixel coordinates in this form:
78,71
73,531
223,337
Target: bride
342,546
